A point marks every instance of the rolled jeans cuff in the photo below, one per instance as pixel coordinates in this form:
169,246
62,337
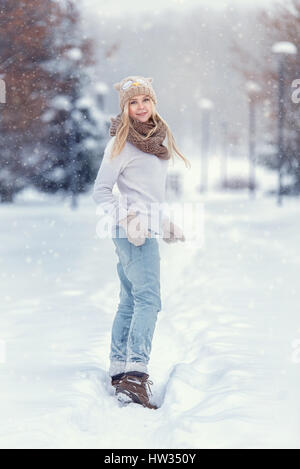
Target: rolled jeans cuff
116,367
136,366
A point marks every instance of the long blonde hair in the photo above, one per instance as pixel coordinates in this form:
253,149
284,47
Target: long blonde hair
123,130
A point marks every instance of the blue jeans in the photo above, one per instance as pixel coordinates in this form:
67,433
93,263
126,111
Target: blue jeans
140,301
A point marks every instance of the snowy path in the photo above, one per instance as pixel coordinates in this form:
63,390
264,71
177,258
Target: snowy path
222,351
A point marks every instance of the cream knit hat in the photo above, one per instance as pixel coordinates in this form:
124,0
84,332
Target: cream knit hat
133,86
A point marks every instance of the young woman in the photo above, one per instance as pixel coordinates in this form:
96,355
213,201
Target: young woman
136,159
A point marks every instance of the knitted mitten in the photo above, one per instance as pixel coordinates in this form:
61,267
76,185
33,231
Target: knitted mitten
135,230
172,233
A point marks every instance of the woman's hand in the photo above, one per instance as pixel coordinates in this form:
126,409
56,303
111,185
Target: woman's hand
136,232
172,233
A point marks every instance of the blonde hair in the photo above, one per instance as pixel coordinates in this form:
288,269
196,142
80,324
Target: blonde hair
123,130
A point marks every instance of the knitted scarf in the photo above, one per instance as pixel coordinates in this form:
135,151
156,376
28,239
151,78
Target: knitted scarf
153,144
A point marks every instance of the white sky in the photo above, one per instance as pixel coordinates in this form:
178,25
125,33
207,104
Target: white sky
115,7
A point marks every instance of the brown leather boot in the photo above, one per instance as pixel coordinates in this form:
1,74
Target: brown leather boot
115,382
136,386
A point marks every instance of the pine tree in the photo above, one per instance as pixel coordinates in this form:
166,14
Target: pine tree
22,39
44,65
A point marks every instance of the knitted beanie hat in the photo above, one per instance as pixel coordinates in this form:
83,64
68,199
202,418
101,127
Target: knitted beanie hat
133,86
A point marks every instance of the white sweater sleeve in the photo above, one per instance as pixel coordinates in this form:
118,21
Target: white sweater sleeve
106,178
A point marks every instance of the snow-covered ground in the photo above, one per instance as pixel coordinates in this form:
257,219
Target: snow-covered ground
226,351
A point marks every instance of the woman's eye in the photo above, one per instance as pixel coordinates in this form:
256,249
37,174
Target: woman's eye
146,99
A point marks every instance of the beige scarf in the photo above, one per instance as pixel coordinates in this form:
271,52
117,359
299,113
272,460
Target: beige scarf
153,144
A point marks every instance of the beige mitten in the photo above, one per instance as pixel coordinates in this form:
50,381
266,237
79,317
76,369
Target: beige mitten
172,233
135,230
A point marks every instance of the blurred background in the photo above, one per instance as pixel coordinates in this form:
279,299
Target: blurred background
222,71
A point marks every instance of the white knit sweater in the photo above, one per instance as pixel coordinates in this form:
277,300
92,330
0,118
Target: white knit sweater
141,180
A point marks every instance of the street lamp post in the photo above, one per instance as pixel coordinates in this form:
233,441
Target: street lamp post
253,90
206,106
281,49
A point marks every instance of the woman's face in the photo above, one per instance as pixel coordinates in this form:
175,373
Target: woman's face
140,107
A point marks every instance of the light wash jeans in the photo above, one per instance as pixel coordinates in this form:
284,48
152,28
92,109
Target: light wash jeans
140,301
